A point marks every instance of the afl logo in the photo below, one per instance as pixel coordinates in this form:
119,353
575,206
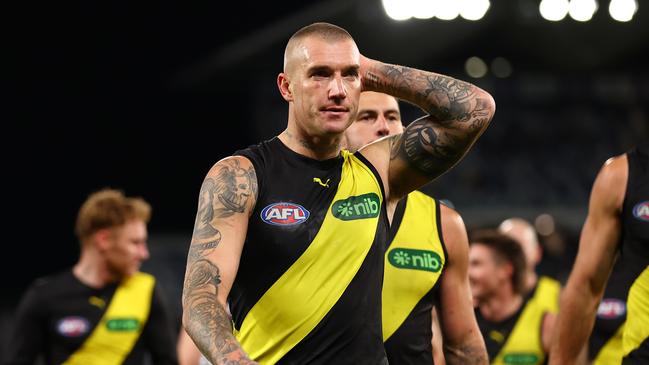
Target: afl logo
284,214
641,211
73,326
611,308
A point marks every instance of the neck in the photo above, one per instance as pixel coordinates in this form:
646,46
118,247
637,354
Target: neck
501,305
315,147
92,270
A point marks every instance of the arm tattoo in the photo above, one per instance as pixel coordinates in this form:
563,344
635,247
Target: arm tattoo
465,355
458,113
223,195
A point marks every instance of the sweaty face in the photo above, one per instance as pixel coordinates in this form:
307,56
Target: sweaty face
484,272
127,249
378,116
324,84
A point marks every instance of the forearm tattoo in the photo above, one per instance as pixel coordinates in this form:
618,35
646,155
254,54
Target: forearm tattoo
465,355
458,113
223,195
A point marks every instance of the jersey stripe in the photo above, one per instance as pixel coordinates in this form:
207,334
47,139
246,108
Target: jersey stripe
119,329
295,304
403,287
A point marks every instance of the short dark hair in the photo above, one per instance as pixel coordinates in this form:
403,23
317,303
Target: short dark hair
327,31
505,249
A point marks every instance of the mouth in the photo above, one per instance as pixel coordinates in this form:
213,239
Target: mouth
334,110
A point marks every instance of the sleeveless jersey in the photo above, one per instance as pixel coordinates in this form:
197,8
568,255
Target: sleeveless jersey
414,262
517,339
308,288
635,256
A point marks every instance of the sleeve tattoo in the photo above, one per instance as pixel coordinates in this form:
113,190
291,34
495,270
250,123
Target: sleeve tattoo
222,195
458,113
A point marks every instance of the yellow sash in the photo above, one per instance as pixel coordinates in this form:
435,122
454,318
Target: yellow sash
117,331
307,291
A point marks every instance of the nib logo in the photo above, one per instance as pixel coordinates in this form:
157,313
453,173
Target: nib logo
405,258
357,207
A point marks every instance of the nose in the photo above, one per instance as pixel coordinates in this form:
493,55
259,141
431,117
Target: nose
144,252
337,88
382,129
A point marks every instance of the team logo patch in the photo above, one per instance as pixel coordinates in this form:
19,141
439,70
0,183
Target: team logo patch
406,258
611,308
520,358
641,211
357,207
284,214
73,326
122,324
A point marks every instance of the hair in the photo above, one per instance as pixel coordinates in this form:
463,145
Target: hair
506,249
326,31
108,208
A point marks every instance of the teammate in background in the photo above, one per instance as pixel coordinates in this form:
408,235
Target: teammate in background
103,310
305,288
617,225
513,321
546,287
425,262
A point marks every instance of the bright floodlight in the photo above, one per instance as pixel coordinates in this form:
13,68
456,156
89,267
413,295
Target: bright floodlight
554,10
582,10
398,9
622,10
423,9
473,9
447,9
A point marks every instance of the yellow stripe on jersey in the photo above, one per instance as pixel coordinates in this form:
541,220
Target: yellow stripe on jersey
524,345
306,292
611,352
636,329
119,329
413,261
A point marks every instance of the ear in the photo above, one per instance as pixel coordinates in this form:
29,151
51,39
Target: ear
284,85
103,239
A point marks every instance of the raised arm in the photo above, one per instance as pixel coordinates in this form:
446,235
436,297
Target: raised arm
598,247
458,113
226,199
463,343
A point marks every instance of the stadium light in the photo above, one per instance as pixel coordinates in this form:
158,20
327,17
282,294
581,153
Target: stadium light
582,10
474,9
622,10
554,10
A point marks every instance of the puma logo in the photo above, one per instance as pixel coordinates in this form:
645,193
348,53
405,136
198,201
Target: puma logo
97,302
319,181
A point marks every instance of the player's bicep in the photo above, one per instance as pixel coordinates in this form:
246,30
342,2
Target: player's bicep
599,240
227,198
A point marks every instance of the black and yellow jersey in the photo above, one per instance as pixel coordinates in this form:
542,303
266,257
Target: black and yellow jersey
308,288
605,341
517,339
414,261
68,322
635,257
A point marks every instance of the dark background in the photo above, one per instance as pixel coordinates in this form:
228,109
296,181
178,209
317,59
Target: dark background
146,96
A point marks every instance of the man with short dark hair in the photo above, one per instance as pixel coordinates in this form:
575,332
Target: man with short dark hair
512,321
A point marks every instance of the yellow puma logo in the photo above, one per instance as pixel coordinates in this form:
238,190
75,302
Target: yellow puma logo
496,336
317,180
97,302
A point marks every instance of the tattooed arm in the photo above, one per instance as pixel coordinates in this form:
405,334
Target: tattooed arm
462,341
226,199
458,113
